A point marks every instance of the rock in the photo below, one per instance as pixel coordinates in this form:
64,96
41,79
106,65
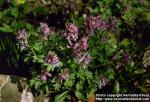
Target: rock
14,89
8,90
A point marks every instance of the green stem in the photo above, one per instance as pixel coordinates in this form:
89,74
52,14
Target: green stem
32,50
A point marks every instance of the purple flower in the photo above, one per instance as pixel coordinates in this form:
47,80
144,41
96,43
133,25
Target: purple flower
71,34
85,59
114,57
22,39
80,46
94,23
46,31
126,57
70,43
64,34
103,80
72,31
64,75
44,75
84,43
52,59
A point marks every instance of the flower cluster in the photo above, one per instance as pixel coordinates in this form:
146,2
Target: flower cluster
82,45
52,59
85,59
78,45
71,34
22,39
94,23
45,30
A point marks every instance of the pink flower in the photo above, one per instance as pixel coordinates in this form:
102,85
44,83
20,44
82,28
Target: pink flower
64,34
84,43
44,28
46,31
71,34
44,75
22,39
72,31
64,75
94,23
126,57
80,46
76,48
103,80
52,59
71,28
85,59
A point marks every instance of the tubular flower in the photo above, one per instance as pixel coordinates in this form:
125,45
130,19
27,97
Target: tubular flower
52,59
82,45
64,75
85,59
94,23
103,80
126,57
71,34
72,31
44,75
22,39
45,30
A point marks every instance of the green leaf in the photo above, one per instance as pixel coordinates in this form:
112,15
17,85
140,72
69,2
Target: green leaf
41,10
111,76
68,83
117,87
90,93
61,97
80,95
125,42
1,15
14,12
2,1
29,26
88,75
143,89
57,86
6,28
27,9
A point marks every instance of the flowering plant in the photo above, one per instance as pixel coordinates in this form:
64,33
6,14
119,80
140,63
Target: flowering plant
81,47
62,59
